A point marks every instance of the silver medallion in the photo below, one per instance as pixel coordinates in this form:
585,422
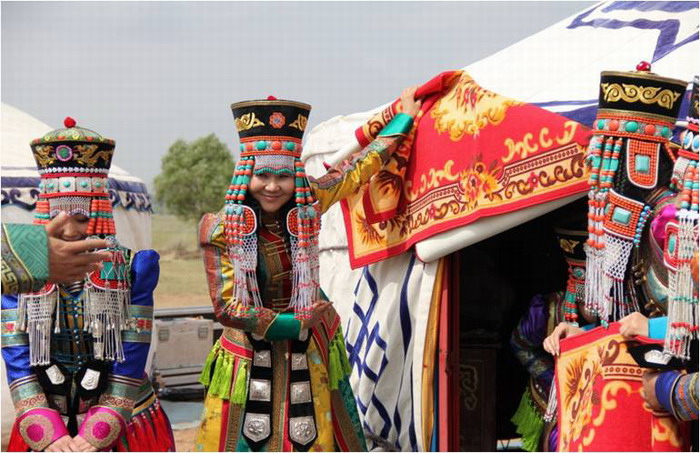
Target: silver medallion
302,429
256,426
55,375
90,380
262,358
301,392
299,361
260,389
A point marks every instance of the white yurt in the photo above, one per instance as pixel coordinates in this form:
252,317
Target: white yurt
130,198
557,69
20,179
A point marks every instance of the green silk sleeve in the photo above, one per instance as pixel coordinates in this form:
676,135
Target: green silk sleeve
25,258
284,327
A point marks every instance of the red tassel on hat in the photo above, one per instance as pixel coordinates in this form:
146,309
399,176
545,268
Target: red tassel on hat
271,98
69,122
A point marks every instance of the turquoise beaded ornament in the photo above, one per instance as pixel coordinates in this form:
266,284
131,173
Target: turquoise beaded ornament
627,156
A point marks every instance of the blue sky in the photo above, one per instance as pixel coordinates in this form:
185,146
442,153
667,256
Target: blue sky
148,73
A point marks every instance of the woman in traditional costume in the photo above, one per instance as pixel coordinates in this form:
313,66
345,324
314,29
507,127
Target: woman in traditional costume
277,379
635,181
75,353
545,313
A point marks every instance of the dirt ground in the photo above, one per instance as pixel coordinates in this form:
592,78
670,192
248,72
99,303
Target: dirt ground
184,439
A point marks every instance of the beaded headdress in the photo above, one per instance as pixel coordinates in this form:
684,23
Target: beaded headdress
572,237
73,164
682,239
270,133
629,157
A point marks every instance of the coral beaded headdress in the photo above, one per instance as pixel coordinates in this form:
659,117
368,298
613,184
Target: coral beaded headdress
572,236
629,157
270,133
73,164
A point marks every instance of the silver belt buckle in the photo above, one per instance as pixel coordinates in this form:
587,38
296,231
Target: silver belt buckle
257,426
260,390
302,429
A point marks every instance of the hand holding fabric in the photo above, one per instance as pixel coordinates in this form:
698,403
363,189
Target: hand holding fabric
563,330
649,390
409,104
634,324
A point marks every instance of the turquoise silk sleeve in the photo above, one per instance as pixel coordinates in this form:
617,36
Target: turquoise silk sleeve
657,328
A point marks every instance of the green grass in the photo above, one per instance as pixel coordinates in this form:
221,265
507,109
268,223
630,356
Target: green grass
182,281
173,236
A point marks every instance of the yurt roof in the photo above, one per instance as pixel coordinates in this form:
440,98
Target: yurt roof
17,159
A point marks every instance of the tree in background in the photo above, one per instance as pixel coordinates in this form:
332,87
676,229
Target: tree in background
194,177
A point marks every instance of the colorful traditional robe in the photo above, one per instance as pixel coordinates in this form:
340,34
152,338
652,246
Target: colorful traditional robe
226,370
115,409
543,315
678,394
25,258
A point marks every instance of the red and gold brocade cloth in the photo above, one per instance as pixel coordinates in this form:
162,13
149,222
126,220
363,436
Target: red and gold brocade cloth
472,153
600,407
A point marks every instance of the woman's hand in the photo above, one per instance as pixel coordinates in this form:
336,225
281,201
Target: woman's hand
318,309
61,444
634,324
648,391
409,104
563,330
80,444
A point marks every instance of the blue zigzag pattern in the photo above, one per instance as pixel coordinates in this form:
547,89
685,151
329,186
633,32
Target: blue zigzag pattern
668,40
368,338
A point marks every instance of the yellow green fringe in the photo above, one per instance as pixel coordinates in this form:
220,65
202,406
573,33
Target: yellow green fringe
528,422
338,364
205,377
219,382
239,391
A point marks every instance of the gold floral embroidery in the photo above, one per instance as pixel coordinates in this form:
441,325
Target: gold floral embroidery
248,121
88,155
47,431
468,108
568,245
613,92
44,155
299,123
106,439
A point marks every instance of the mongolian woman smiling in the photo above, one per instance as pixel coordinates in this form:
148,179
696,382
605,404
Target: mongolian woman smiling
277,379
